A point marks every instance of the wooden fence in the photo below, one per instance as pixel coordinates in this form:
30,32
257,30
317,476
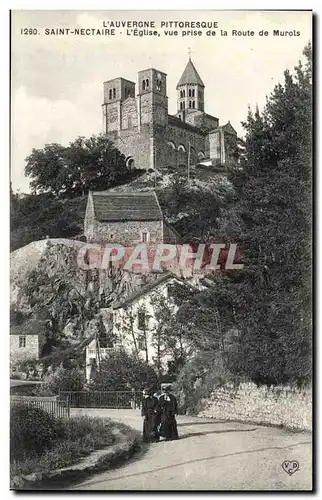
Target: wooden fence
56,406
103,399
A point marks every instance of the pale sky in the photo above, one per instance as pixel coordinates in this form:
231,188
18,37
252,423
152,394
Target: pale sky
56,83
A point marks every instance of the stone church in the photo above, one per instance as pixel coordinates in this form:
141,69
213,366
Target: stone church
142,129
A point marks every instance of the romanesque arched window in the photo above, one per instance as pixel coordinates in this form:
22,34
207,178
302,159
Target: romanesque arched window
181,148
189,93
193,104
114,93
147,83
110,93
143,84
158,84
193,93
190,104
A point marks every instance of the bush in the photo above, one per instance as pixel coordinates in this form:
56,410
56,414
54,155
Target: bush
122,372
32,430
77,437
198,378
63,379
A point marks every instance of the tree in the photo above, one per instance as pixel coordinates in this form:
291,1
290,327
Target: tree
87,163
120,371
36,217
273,202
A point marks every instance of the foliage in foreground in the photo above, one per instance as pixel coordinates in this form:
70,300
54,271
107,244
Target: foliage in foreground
40,442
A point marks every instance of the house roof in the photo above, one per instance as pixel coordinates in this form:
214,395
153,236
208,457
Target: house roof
28,327
190,76
145,289
127,206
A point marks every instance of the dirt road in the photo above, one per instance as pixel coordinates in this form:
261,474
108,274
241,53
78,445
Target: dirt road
210,455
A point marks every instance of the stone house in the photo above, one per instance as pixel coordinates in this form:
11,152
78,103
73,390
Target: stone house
128,219
143,130
26,340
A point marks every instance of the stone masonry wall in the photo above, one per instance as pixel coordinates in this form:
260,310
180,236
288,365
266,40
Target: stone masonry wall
126,233
276,406
19,353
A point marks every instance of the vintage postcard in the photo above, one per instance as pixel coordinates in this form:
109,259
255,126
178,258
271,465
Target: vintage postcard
161,268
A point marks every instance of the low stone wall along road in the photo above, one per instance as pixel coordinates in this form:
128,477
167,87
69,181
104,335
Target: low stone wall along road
210,455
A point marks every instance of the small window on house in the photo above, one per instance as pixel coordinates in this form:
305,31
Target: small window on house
22,341
141,320
141,344
114,93
110,94
144,237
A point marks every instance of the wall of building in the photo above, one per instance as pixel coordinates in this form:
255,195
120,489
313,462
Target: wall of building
126,233
276,406
123,318
19,353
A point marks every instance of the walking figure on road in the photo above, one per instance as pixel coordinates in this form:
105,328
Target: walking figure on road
169,410
151,413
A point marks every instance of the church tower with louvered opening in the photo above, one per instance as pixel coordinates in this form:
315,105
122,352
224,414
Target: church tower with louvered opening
137,120
190,90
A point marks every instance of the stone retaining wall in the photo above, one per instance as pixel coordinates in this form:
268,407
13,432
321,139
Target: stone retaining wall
285,406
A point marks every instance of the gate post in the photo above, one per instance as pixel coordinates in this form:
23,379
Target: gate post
133,405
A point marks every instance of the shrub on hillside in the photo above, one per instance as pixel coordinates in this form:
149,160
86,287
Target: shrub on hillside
32,430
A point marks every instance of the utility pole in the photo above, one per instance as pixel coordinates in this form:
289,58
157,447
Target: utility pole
189,152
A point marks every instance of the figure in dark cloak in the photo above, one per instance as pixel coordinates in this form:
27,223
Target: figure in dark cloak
151,413
169,410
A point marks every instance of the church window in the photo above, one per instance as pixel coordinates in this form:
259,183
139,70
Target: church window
110,94
147,83
181,148
143,85
199,94
184,93
181,105
141,320
190,104
114,93
189,93
158,84
193,93
193,104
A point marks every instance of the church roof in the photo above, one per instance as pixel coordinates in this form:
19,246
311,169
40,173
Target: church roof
127,206
190,75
